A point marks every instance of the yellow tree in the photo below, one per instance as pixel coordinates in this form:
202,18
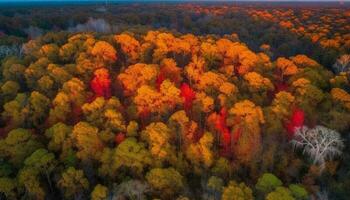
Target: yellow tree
159,138
135,76
286,67
200,154
130,47
86,139
104,53
340,95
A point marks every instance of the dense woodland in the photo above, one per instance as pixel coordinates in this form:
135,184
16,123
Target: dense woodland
175,101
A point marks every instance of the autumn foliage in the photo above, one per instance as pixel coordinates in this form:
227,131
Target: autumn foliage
165,116
297,120
101,83
188,95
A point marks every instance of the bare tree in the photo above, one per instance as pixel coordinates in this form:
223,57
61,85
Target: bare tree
342,64
319,143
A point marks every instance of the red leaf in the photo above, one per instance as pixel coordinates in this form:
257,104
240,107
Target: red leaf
297,120
188,94
119,138
101,83
225,136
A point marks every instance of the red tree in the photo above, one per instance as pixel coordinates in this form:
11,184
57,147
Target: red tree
225,136
101,83
119,138
188,96
297,120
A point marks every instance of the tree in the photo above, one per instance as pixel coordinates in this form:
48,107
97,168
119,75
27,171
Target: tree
148,100
13,69
280,193
282,103
7,187
28,178
136,76
258,86
246,118
298,191
13,111
159,137
38,109
302,61
235,191
210,82
268,183
340,95
35,71
100,192
297,120
101,83
246,61
43,161
186,130
9,90
225,137
166,182
188,95
86,139
129,154
105,114
27,112
170,70
51,51
286,67
214,187
195,69
18,145
58,135
73,183
201,154
307,95
319,143
68,101
258,82
130,46
104,53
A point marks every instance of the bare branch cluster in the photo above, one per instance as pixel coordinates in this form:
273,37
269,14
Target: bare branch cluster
319,143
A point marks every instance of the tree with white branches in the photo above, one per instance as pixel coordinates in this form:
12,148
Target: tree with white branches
342,64
319,143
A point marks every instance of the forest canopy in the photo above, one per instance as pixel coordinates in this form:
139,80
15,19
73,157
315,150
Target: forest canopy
154,113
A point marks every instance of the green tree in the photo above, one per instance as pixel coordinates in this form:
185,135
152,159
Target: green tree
279,194
298,192
267,183
235,191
